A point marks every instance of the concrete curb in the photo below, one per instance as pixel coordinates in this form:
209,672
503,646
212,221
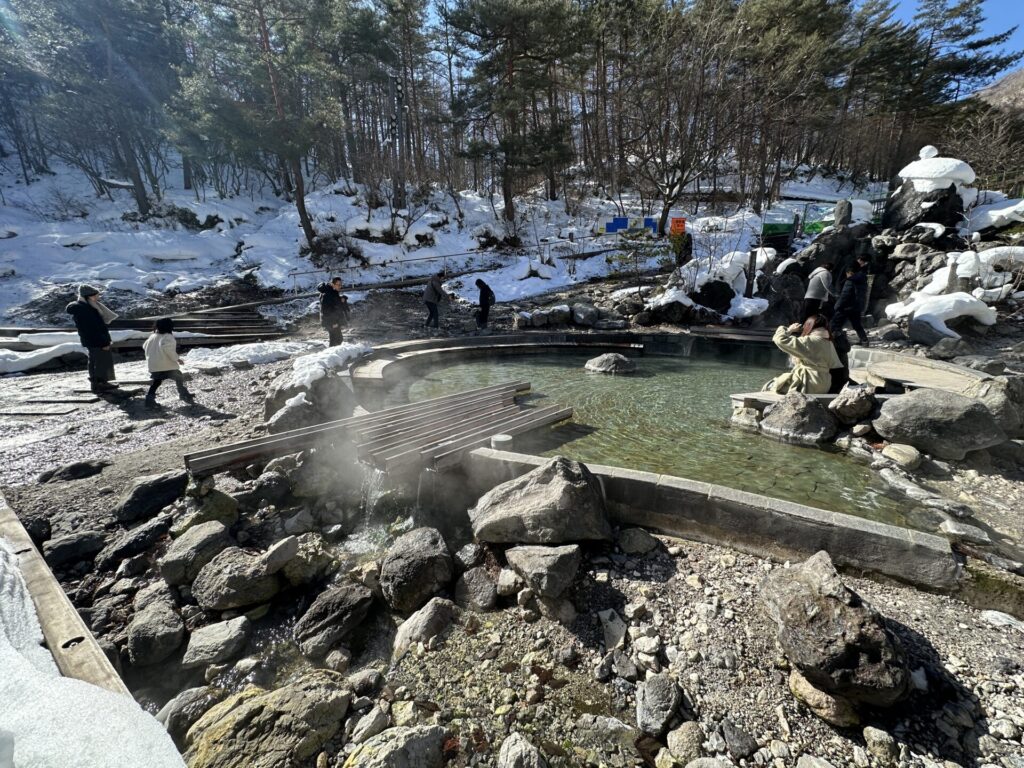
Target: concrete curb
69,640
749,522
390,362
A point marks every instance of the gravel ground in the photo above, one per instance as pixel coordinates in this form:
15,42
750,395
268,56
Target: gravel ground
701,603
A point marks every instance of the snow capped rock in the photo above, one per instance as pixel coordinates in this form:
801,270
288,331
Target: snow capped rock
936,310
932,172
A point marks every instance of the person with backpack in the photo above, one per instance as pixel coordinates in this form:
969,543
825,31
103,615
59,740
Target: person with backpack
163,362
433,294
487,299
91,320
334,310
852,298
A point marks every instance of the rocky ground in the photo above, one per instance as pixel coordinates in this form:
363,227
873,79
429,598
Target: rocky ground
698,674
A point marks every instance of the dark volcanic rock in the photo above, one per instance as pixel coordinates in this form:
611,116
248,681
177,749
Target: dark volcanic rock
908,207
333,614
149,494
74,471
716,295
837,641
416,567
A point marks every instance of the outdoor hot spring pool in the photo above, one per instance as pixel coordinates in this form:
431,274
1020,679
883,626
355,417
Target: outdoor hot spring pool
672,417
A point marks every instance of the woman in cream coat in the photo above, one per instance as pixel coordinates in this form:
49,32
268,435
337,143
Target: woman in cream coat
813,356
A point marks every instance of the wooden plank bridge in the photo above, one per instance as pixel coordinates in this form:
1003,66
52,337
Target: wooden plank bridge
432,433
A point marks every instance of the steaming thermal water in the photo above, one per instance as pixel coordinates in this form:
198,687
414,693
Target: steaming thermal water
672,417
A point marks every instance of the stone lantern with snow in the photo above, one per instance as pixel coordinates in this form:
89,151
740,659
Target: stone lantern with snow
934,189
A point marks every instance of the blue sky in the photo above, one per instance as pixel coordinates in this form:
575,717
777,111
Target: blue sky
1000,15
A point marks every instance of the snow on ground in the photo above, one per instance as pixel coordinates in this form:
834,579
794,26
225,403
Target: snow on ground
308,368
259,353
997,214
59,722
17,362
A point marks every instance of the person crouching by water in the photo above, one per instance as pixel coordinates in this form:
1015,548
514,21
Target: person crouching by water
813,355
162,359
334,310
487,299
433,294
91,320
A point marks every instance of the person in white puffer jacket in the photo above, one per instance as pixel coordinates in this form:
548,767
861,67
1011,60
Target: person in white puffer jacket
162,359
819,290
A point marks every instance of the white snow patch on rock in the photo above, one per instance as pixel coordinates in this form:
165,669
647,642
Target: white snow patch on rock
936,310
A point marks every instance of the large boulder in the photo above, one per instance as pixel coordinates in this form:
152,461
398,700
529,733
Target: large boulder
402,747
548,570
154,633
853,404
215,506
416,567
610,362
332,616
296,413
556,503
944,424
269,729
134,542
330,395
192,550
215,643
430,621
907,207
149,494
585,314
920,332
234,579
836,640
1004,398
799,418
476,589
180,713
74,547
716,295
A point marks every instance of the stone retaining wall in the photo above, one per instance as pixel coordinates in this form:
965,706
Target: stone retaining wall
751,523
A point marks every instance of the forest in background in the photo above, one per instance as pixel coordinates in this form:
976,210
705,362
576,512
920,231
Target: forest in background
701,101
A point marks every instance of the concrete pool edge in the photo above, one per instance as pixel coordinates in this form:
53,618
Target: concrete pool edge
749,522
387,363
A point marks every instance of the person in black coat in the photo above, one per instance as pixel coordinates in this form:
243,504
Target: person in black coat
91,318
333,310
487,300
850,304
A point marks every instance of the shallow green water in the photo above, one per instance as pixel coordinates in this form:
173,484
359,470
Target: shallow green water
672,417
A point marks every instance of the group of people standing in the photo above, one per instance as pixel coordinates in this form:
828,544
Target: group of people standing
92,321
335,310
434,294
818,346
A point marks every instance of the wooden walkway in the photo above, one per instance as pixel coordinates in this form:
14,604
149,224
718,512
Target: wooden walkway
431,433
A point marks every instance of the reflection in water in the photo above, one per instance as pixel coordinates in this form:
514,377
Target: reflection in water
673,418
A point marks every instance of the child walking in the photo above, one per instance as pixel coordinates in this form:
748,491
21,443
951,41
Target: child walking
162,359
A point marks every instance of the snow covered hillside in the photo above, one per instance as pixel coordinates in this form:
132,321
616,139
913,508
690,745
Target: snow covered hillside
55,234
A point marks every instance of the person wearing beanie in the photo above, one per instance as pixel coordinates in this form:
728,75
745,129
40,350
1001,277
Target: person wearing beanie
163,362
91,320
